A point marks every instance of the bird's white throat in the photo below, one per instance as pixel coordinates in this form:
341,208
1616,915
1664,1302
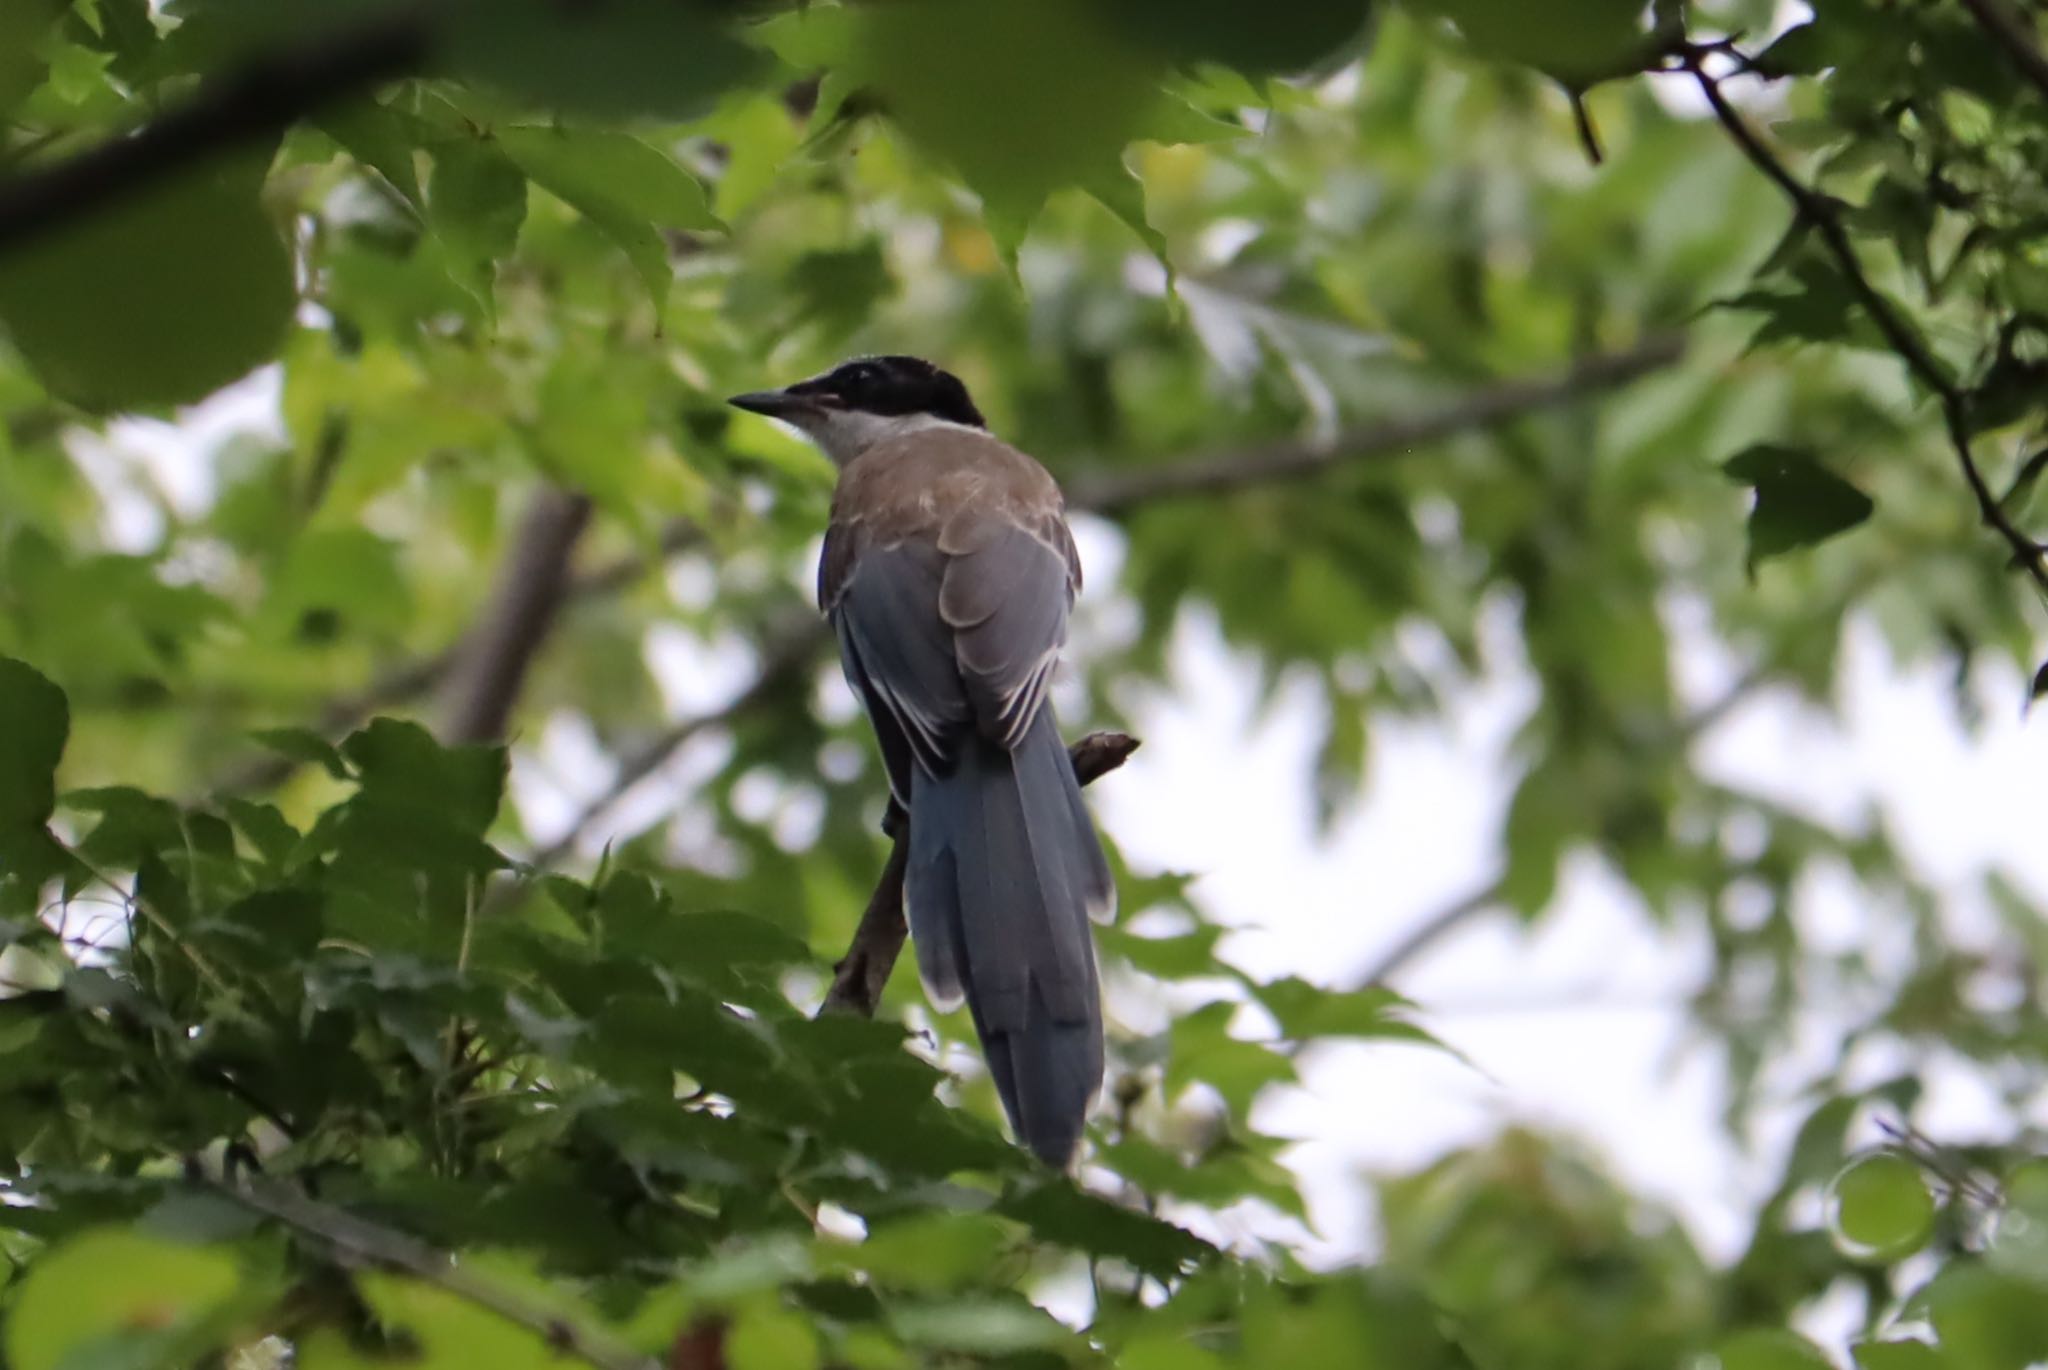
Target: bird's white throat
844,434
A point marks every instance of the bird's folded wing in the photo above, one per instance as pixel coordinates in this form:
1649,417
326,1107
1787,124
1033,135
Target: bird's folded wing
1005,593
899,652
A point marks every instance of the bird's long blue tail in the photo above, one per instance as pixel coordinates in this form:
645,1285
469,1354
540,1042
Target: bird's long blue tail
1005,870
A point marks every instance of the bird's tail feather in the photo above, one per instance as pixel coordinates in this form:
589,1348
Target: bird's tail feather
1005,871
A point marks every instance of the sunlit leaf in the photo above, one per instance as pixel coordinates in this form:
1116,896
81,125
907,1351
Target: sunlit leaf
114,1297
1880,1209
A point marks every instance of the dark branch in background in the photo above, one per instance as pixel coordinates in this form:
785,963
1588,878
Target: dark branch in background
490,666
1824,216
1452,916
352,1241
1486,406
408,681
2017,35
259,101
862,974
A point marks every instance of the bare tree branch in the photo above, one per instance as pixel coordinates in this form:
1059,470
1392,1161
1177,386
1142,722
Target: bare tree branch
2017,35
490,666
409,680
351,1240
1116,491
862,974
1823,213
258,101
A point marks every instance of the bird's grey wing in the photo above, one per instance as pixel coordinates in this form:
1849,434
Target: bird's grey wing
899,655
1008,586
899,652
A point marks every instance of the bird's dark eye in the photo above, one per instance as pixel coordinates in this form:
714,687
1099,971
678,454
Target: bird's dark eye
856,377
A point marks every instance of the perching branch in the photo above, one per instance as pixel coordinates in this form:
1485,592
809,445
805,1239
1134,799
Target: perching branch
2017,35
259,101
1487,406
351,1240
491,664
1823,214
862,974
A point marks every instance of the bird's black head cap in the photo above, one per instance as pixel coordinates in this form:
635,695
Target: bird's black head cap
895,386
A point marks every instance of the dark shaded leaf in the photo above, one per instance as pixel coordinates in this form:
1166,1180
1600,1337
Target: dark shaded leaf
31,744
1256,40
1799,502
303,744
160,299
615,59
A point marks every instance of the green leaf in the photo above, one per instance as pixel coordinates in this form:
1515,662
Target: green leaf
1898,1355
1058,1212
1799,502
1546,815
334,582
1985,1320
622,185
932,1252
22,26
1769,1349
304,745
31,744
1880,1209
476,201
382,139
400,764
616,60
1186,956
112,1297
457,1331
769,1337
1306,1011
1799,51
2019,1243
996,1325
1577,41
162,298
1020,99
1254,39
1203,1051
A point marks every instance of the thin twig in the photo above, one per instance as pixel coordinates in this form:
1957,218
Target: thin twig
1823,214
862,974
2016,35
355,1241
1452,916
259,101
790,648
1487,406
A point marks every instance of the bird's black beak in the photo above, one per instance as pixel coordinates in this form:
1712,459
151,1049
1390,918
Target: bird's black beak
776,404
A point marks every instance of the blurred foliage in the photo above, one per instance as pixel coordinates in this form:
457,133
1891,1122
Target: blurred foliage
258,945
